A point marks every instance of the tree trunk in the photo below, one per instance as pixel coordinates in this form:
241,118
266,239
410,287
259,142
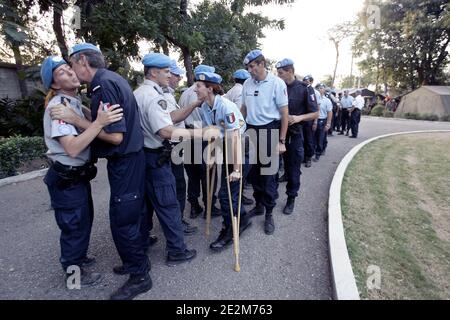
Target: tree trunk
58,29
188,65
165,47
20,71
336,45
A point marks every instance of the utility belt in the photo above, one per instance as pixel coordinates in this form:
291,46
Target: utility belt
295,128
164,152
72,175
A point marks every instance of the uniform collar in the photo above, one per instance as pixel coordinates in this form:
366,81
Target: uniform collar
157,87
95,83
217,100
268,74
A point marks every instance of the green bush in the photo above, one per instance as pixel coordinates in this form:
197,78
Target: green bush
16,150
377,111
388,114
429,117
22,117
411,115
445,118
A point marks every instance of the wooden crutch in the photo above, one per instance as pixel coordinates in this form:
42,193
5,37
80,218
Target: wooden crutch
210,166
235,221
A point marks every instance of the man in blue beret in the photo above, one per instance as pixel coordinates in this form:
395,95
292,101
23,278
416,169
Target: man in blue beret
265,107
302,108
235,95
308,134
195,168
126,165
323,123
157,122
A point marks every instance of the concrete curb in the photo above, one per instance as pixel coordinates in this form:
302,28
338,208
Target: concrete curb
22,177
344,283
403,119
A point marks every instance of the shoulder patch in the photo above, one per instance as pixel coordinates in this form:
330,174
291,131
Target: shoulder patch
313,97
163,104
96,88
231,118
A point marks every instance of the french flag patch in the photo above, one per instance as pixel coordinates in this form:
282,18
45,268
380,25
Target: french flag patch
231,118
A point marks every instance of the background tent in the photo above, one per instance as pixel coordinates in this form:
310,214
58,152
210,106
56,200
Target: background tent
426,100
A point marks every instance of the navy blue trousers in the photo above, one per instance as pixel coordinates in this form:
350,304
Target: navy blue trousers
293,158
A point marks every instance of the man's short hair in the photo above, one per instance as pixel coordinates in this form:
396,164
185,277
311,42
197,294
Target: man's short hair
289,68
260,59
94,58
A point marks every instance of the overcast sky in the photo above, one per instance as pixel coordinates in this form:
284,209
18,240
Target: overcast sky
305,39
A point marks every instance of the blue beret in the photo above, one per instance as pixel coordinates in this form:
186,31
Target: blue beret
308,77
284,63
82,47
156,60
252,55
209,77
204,68
175,69
47,68
241,74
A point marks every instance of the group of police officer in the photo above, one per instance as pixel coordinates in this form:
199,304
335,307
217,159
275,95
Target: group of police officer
150,140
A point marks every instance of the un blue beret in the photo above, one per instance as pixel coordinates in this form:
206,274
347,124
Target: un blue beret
156,60
284,63
209,77
252,55
47,68
241,74
82,47
175,69
204,68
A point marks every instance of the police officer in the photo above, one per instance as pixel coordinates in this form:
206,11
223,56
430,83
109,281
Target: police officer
323,123
178,116
235,93
265,107
123,148
158,129
235,96
302,108
68,177
355,113
346,103
195,168
218,111
308,134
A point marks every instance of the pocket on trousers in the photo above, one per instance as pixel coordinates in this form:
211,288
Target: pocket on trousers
126,208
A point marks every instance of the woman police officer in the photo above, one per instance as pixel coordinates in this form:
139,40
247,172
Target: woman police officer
68,178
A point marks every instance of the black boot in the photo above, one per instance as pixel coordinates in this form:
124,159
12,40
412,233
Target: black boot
196,210
88,261
179,258
258,210
224,240
289,208
308,163
87,279
269,225
134,286
188,229
247,201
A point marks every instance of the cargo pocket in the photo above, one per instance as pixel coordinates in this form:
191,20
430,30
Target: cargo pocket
126,209
68,220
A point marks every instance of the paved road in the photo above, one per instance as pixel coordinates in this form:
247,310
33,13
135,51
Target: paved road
292,264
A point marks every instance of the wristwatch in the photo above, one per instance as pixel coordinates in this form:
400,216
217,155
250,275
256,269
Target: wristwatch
283,141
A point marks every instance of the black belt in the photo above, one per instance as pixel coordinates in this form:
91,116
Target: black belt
59,167
158,150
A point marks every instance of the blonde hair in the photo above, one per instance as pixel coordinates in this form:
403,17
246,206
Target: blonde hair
51,93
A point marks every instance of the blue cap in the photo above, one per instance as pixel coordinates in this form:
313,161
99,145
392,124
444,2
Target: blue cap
308,78
156,60
47,68
203,68
252,55
241,74
175,69
284,63
82,47
209,77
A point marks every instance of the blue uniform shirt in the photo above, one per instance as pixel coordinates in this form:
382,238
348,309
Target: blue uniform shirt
109,87
264,99
225,111
347,102
302,99
325,107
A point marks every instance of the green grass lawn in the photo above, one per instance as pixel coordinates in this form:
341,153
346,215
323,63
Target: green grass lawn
396,211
